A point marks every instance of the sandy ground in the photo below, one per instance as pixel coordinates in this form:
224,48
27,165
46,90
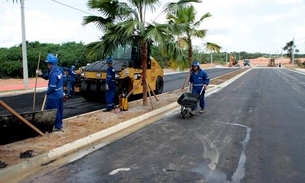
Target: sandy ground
82,126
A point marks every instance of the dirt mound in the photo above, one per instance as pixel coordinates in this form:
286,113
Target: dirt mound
262,61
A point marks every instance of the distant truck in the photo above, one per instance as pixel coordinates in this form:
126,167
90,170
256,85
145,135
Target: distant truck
247,62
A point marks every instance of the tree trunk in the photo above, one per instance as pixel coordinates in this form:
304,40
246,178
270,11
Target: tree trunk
190,52
144,67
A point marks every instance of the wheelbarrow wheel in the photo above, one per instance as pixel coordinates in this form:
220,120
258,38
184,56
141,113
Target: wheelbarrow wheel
183,113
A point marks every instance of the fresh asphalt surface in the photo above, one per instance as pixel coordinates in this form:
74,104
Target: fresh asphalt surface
253,131
77,105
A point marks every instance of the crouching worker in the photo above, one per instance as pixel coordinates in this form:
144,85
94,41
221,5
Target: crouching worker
200,80
55,89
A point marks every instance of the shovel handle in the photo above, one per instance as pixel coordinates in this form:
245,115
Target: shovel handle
20,117
44,102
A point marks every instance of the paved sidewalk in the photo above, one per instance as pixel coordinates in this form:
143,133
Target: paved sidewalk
16,86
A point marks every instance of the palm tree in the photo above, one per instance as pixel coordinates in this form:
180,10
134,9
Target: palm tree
184,25
123,21
289,47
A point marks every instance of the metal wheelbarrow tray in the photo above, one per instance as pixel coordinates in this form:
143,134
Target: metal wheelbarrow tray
187,101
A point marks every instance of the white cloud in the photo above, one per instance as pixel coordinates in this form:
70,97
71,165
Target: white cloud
236,25
49,22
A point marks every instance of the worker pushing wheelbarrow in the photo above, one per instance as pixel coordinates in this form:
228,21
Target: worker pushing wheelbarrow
198,82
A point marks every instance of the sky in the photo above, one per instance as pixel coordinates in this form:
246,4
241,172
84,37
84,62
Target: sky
237,25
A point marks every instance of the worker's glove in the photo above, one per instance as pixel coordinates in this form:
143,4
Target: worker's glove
38,72
106,86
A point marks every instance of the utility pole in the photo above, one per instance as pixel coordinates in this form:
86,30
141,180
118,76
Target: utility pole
211,59
226,57
24,54
292,57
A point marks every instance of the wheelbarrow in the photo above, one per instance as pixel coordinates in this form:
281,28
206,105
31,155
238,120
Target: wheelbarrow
187,100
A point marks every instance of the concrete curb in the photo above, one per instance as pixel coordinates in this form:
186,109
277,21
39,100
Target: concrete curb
35,162
300,71
45,158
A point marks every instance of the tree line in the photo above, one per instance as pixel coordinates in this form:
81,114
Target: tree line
72,53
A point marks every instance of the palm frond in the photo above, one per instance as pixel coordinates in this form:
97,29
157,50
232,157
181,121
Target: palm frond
212,47
176,53
159,33
207,15
111,9
94,51
183,42
100,22
199,33
175,7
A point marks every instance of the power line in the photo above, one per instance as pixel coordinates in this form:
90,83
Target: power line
73,7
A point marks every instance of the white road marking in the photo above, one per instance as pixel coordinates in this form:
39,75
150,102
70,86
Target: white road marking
117,170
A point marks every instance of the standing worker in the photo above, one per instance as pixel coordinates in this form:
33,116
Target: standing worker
110,85
71,81
199,80
55,89
74,76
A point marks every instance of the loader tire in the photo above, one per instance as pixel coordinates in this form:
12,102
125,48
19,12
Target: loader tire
159,85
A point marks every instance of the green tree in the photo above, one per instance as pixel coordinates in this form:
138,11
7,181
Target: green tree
289,48
184,26
69,53
122,22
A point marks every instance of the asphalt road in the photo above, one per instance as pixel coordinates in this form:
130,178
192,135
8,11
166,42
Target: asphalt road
78,105
252,132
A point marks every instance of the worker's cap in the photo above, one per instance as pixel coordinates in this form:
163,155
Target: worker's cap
52,59
72,67
196,63
109,60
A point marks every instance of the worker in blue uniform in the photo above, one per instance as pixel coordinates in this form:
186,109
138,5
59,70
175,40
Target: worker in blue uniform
70,78
199,80
73,72
55,89
110,85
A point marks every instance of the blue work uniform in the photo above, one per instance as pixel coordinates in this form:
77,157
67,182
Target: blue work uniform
70,82
55,93
110,91
198,80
